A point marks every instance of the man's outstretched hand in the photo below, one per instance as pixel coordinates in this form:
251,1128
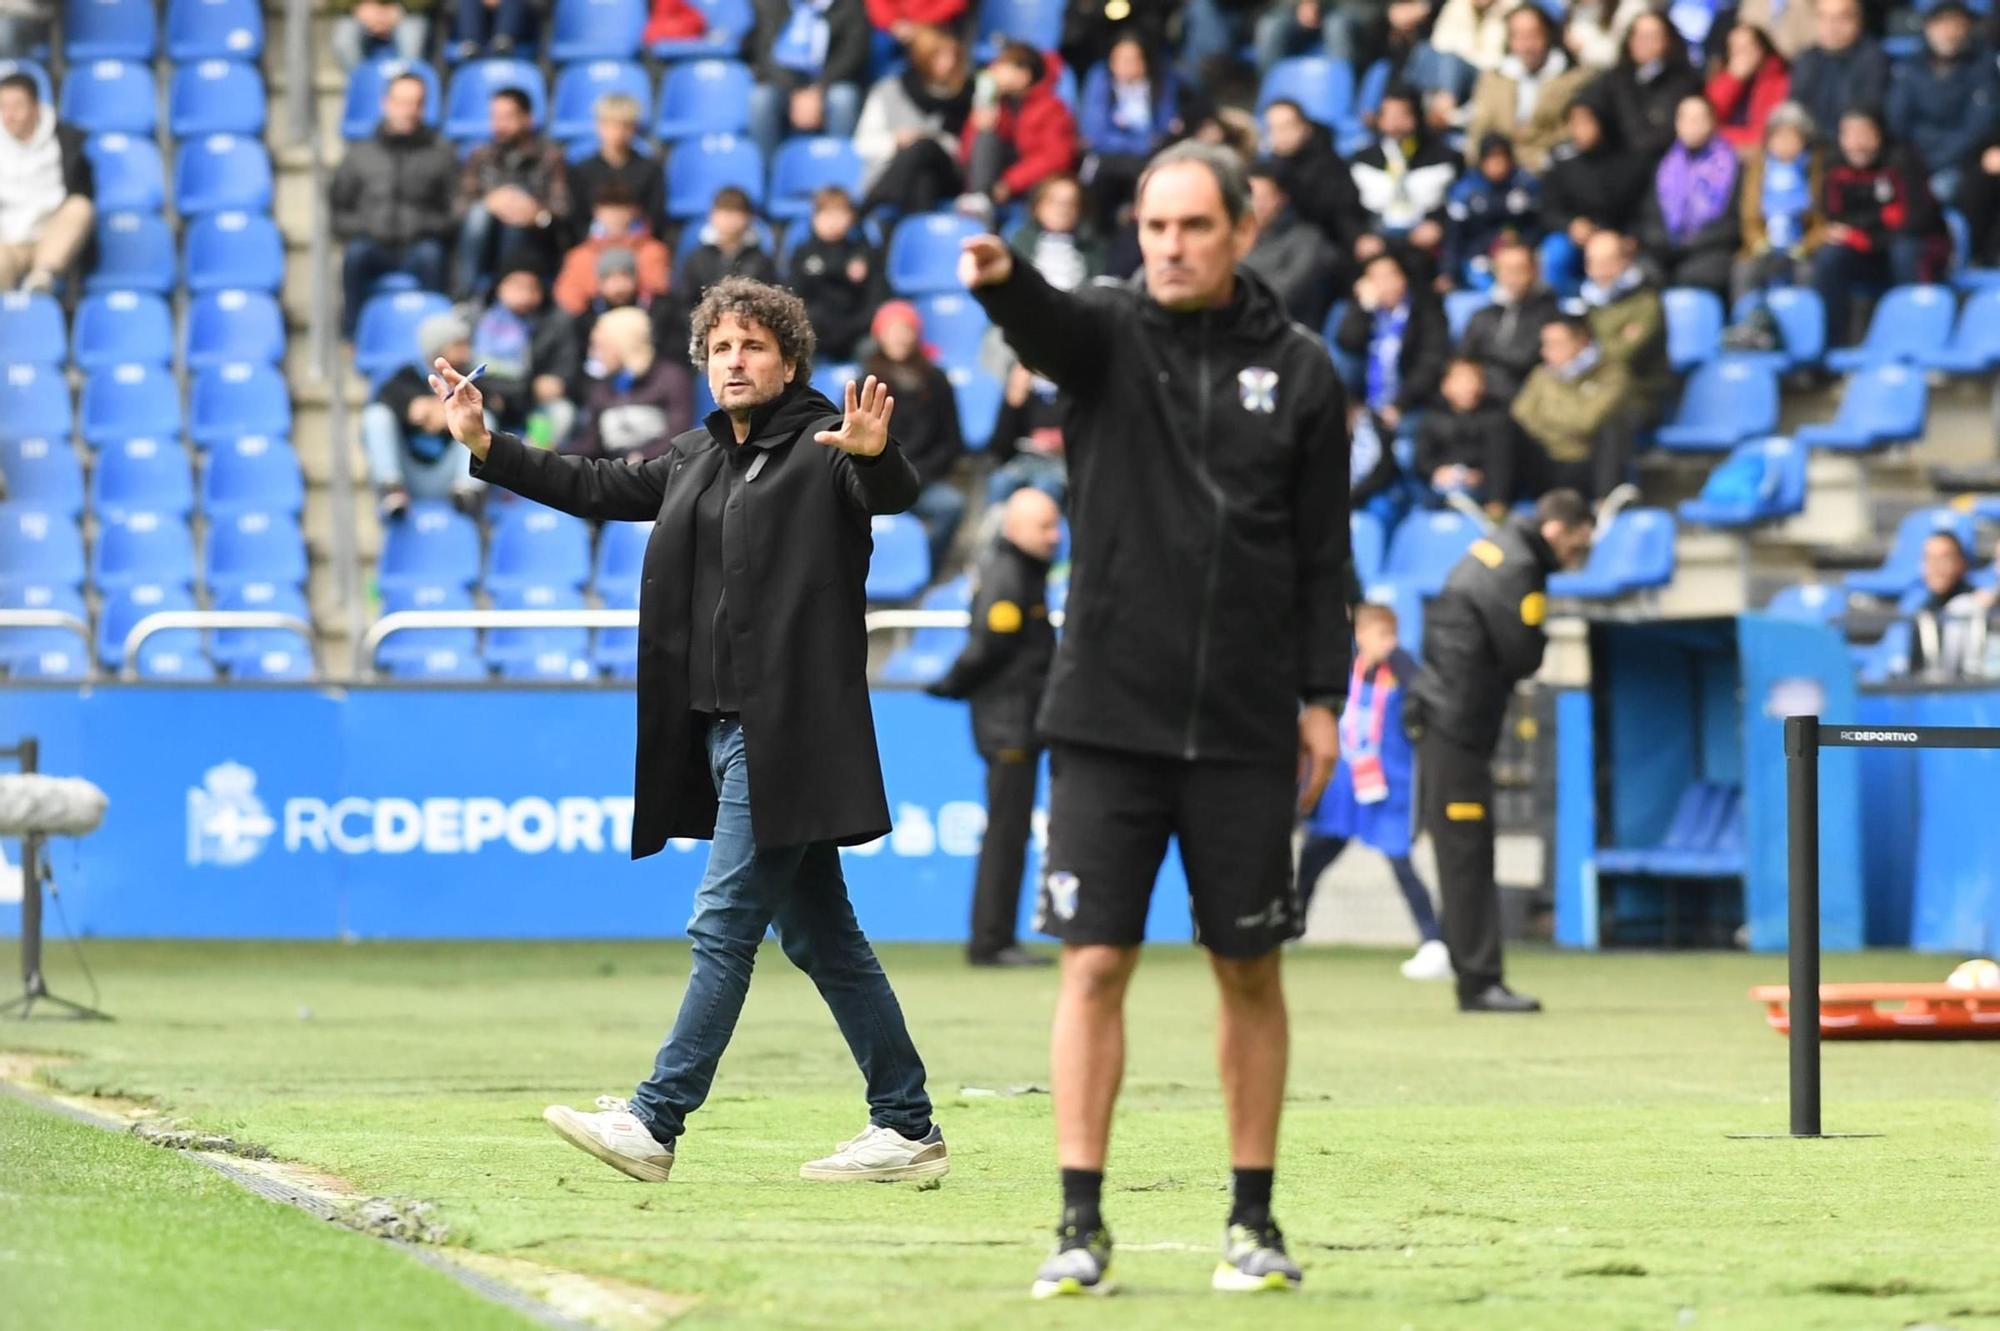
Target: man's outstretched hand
465,411
984,261
864,430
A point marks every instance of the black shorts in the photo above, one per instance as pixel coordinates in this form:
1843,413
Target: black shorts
1110,816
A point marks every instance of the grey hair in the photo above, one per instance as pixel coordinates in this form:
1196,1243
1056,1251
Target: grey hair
1231,179
777,309
1790,115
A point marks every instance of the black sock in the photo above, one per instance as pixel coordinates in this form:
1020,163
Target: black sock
916,1136
1083,1192
1250,1197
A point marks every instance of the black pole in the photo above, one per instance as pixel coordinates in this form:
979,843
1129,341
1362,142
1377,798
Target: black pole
1802,839
32,984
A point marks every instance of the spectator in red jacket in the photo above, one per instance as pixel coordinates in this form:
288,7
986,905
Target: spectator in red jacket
901,18
673,21
1747,86
1019,132
618,236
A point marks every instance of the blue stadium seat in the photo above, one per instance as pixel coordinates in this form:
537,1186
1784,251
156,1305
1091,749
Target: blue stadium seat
362,110
596,30
1974,347
222,172
214,30
229,401
135,252
143,475
621,556
1323,88
143,547
466,118
50,653
1882,405
1370,545
923,252
413,645
130,402
1909,324
538,547
1459,307
226,326
1704,839
1904,565
703,97
977,395
235,250
729,24
697,233
901,564
120,328
1760,481
1801,319
539,653
43,474
385,337
235,647
253,474
1426,547
1725,401
130,175
109,29
1888,658
31,329
698,168
280,656
807,164
955,324
572,106
830,378
1636,553
110,97
36,70
255,547
432,545
1814,602
122,610
39,548
1694,326
34,403
1039,23
931,651
215,97
616,651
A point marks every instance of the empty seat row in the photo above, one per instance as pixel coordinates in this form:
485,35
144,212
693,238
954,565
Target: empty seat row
129,401
231,250
213,173
141,475
136,327
195,30
47,550
207,97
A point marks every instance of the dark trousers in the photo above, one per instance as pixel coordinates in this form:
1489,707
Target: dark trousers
1455,795
512,19
368,261
1003,855
1979,200
1524,470
916,180
1840,273
1318,856
1111,179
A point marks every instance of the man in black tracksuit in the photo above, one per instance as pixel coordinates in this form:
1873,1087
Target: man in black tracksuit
1203,659
1002,670
1482,636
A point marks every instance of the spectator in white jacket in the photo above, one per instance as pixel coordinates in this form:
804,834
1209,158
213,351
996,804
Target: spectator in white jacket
908,132
45,190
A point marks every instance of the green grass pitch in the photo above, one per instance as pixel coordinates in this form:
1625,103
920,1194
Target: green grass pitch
1439,1172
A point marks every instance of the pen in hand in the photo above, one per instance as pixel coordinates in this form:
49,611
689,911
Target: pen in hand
477,370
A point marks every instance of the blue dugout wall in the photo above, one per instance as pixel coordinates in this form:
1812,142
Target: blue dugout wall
433,813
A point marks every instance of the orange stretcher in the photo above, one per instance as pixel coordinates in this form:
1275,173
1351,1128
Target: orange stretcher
1927,1011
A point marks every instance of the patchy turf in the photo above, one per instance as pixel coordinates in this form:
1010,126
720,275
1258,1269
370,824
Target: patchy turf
1439,1172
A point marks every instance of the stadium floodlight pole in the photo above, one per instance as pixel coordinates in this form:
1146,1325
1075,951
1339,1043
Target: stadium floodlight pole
1802,889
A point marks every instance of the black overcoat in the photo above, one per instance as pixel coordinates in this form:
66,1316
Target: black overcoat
796,542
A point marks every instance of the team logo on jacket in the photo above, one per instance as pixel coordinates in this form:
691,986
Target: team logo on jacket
1259,389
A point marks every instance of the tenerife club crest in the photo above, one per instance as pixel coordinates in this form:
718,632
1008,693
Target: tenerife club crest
1259,389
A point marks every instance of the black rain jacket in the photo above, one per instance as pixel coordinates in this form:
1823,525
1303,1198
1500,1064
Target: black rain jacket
1007,652
1483,634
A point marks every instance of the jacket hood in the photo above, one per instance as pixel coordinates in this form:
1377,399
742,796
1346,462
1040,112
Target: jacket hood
1523,529
777,420
44,131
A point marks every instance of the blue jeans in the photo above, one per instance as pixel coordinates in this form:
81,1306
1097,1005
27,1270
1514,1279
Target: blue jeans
353,45
485,247
1279,35
475,23
366,263
390,464
1210,30
798,891
770,114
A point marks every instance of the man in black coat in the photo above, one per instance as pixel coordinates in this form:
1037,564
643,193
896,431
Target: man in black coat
752,656
1204,657
1001,671
1482,636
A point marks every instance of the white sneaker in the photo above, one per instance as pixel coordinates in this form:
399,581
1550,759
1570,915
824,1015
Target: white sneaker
615,1136
881,1155
1432,962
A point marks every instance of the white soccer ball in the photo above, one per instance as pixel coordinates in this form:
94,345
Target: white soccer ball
1979,974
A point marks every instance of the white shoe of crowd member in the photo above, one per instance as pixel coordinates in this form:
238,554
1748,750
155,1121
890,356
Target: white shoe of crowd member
1431,962
614,1135
881,1155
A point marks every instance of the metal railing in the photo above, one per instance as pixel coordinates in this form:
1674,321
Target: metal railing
51,619
884,621
160,621
405,620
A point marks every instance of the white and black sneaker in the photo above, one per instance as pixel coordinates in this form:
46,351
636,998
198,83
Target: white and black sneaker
614,1135
1081,1264
1254,1259
882,1155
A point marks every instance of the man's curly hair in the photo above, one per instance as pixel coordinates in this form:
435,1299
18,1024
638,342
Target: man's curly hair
777,309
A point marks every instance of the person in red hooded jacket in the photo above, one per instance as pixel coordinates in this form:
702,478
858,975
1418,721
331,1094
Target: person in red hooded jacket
901,18
1019,132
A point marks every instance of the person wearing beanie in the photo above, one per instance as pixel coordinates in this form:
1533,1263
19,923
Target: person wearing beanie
927,423
618,234
410,456
1779,203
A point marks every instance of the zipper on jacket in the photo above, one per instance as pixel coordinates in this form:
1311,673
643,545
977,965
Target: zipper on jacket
1189,749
